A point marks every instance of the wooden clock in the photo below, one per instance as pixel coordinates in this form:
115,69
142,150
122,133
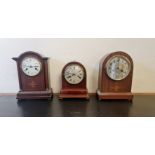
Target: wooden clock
115,76
33,76
74,80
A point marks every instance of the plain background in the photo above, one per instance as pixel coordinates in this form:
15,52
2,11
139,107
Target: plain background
87,51
76,19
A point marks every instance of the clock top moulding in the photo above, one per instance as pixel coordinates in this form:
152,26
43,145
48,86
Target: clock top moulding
43,89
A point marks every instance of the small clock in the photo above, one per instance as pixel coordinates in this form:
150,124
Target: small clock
33,76
115,76
74,81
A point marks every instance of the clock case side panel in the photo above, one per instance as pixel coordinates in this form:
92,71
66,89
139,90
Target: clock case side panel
47,76
47,73
100,76
18,71
43,90
114,89
74,90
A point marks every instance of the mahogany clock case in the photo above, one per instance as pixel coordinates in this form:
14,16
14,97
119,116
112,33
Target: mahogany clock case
33,87
113,89
74,90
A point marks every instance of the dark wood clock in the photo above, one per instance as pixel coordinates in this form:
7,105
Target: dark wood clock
33,76
115,76
74,79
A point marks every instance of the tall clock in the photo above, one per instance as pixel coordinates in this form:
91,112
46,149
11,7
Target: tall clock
33,76
115,76
74,79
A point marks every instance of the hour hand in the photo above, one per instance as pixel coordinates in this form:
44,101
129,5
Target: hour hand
36,69
69,76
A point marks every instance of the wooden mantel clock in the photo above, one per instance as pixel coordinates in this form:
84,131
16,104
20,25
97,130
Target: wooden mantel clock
33,76
74,79
115,76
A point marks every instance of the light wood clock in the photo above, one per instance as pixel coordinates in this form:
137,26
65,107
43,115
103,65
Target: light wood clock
33,76
115,76
74,79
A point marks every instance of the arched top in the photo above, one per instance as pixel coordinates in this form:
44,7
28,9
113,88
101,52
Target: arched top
108,56
29,53
73,62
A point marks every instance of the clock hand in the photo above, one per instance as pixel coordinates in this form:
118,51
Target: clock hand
32,66
29,66
73,74
79,77
69,76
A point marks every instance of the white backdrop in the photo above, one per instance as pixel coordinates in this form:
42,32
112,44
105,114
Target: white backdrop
87,51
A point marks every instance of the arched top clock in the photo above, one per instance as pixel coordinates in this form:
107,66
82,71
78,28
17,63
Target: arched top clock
115,76
33,76
74,79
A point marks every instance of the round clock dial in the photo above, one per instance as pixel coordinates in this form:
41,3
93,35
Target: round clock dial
118,67
31,66
74,74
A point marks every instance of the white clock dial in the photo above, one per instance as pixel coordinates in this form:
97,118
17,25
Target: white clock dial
74,74
118,67
31,66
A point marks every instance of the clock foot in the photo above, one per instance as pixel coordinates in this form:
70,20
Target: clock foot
74,93
74,96
23,95
115,96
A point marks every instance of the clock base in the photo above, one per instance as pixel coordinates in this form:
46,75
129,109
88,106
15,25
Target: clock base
35,94
115,96
67,93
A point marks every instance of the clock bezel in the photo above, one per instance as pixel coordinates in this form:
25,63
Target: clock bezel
35,59
78,64
108,63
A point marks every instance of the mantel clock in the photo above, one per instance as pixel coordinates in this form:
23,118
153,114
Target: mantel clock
33,76
115,76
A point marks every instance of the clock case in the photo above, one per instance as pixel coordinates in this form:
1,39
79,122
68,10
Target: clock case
33,87
74,90
113,89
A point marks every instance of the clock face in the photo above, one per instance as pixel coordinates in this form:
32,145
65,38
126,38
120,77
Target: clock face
31,66
74,74
118,67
